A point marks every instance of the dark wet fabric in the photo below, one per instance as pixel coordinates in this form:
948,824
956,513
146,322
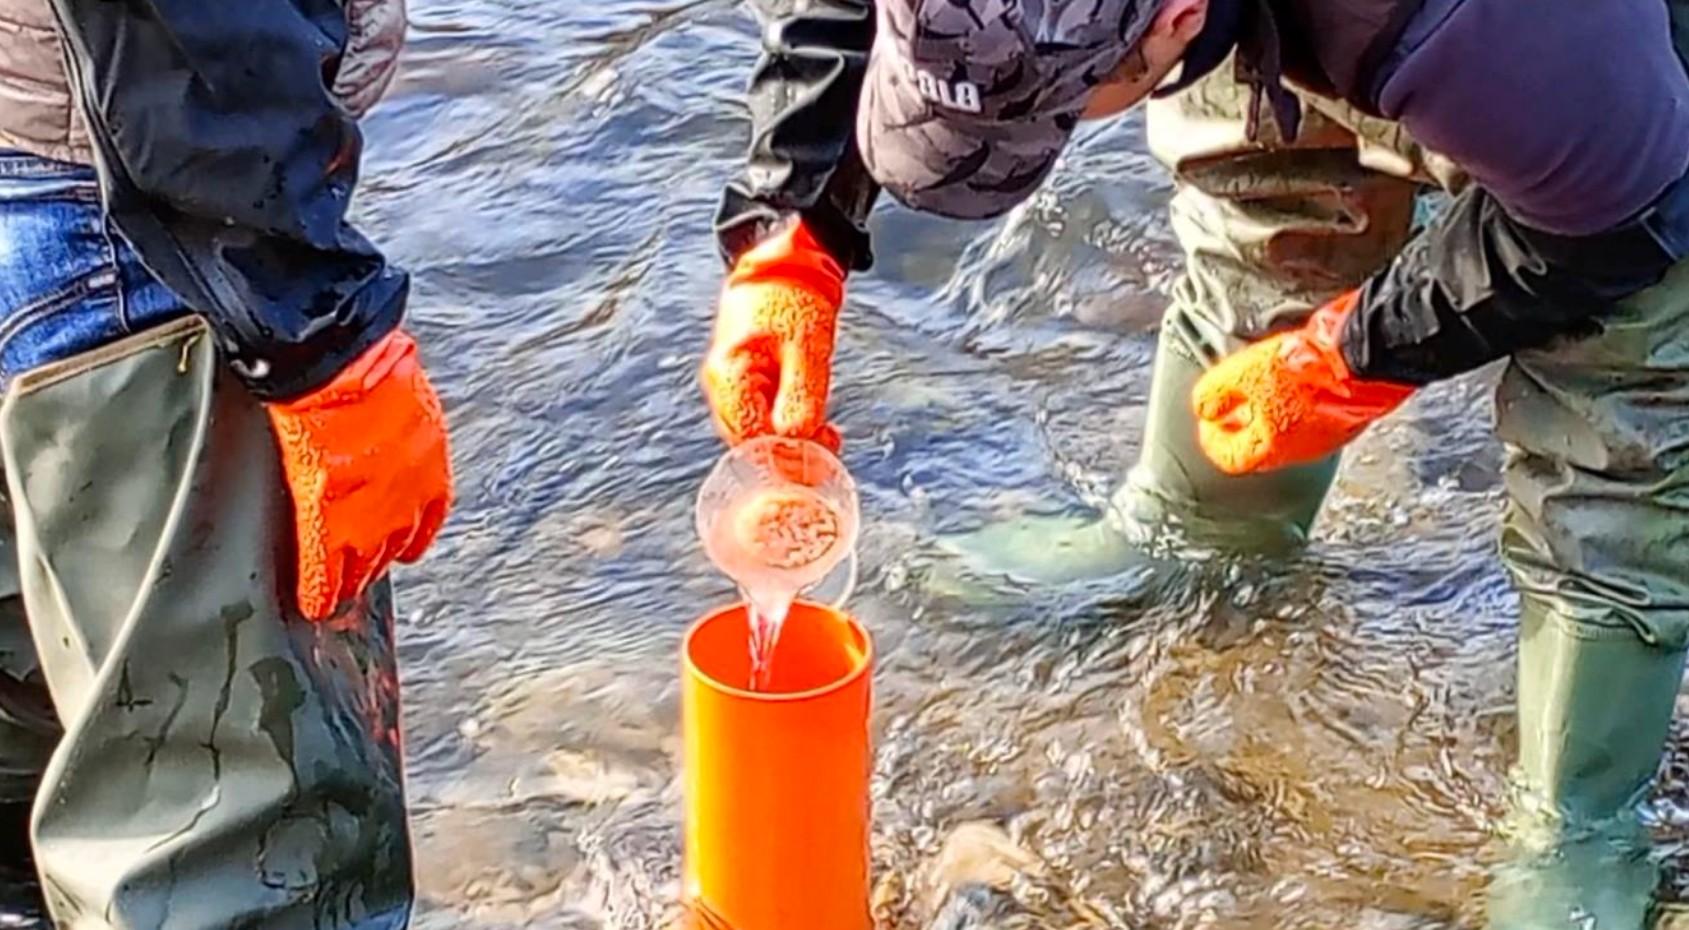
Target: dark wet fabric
1337,48
29,727
802,157
20,893
1479,285
224,763
39,113
248,227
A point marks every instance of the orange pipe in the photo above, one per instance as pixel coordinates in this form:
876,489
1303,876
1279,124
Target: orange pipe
777,808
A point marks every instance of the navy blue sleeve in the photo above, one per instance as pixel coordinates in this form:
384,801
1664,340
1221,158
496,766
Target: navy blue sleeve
1572,118
228,164
1573,114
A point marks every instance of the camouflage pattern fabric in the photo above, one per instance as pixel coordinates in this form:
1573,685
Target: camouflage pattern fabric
967,103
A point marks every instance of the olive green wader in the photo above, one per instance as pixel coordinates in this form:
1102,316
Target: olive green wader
222,763
1596,533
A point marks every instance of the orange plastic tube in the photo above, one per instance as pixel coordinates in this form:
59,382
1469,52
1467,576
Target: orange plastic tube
777,809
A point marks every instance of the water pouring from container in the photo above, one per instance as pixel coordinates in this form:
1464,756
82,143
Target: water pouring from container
779,517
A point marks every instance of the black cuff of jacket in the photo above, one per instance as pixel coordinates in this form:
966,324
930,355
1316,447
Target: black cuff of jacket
231,176
742,223
1476,286
287,315
277,371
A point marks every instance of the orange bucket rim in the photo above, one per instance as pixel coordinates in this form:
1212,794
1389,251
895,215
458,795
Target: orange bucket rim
861,668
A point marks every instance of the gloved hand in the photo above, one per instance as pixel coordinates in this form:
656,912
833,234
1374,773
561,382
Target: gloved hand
1289,399
770,363
367,464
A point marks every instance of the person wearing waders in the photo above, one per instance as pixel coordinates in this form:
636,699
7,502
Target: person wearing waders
1299,132
216,438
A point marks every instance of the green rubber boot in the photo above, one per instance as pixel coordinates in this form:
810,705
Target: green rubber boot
1595,706
1173,500
1175,488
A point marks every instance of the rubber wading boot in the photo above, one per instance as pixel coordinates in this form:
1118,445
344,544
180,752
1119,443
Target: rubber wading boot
224,762
1595,706
1175,486
1173,496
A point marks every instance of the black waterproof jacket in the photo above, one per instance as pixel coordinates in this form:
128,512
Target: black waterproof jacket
226,161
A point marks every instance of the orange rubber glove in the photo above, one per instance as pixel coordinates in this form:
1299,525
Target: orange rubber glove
367,464
1289,399
770,364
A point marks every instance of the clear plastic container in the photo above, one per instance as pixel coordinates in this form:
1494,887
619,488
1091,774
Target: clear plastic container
779,516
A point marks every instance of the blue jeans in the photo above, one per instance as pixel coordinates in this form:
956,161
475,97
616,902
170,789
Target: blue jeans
69,282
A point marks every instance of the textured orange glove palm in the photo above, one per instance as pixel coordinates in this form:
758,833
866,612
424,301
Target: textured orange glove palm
369,470
770,363
1289,399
